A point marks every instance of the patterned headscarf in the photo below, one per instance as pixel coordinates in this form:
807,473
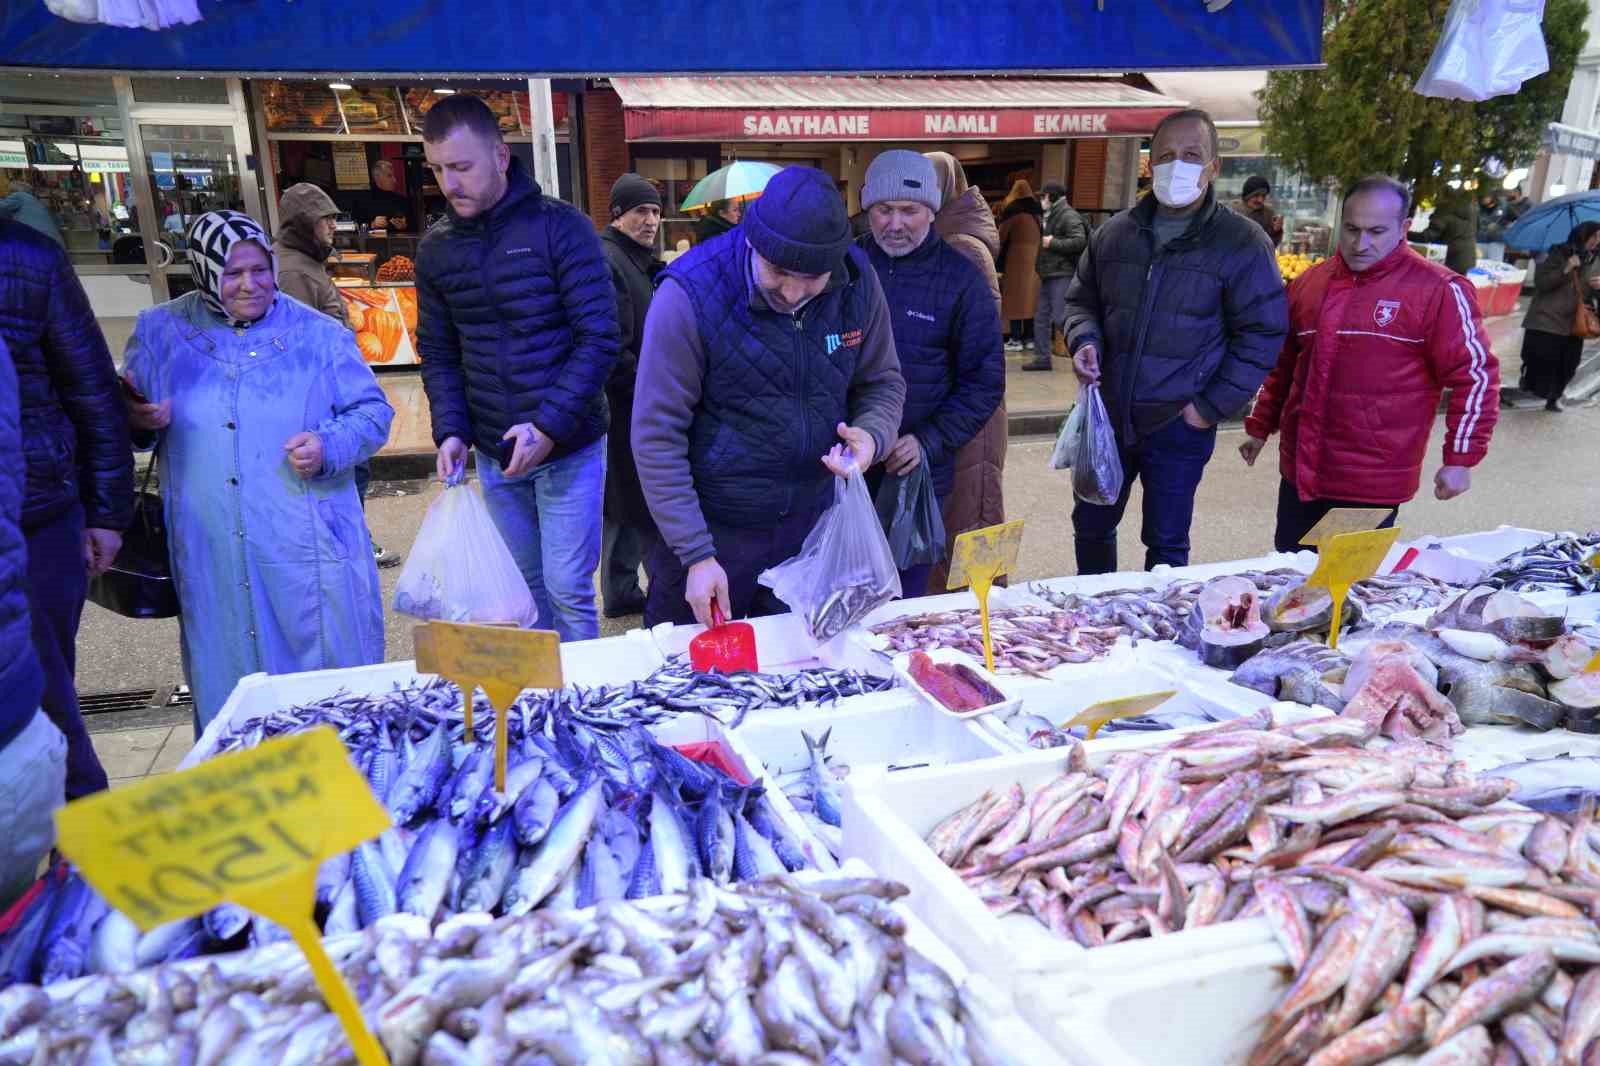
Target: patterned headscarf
211,238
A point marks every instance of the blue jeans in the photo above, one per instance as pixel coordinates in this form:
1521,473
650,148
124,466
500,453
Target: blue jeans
550,519
1169,463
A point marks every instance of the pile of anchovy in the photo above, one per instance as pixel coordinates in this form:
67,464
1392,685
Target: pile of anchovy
1559,562
771,971
588,814
1027,640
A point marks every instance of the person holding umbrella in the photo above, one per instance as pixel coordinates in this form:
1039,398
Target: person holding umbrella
723,196
1550,347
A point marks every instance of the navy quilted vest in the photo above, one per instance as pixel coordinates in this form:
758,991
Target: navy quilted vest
775,388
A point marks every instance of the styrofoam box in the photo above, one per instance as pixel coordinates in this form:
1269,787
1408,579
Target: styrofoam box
1495,544
1209,1011
1059,702
887,817
1484,747
607,661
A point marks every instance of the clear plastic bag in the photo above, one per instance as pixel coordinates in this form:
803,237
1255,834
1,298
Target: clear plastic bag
1067,440
844,569
908,508
459,569
1488,48
1096,464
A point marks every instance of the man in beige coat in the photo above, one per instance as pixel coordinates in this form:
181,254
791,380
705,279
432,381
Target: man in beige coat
305,240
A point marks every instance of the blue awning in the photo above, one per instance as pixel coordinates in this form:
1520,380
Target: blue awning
414,37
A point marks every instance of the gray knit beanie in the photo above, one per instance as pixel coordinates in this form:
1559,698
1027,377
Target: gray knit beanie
899,174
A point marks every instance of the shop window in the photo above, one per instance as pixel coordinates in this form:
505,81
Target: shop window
675,176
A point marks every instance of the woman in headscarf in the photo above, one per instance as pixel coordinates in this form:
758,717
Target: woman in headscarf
1021,226
258,408
1550,353
966,223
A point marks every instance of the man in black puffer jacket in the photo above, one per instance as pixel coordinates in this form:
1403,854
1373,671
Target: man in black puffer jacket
517,329
1179,304
79,488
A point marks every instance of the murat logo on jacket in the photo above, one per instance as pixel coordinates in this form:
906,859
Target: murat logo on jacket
1384,313
835,341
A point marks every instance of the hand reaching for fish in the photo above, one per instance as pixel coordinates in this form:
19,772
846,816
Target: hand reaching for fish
1451,481
1251,449
305,454
707,579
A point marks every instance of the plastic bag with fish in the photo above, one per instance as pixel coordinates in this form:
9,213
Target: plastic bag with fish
1097,466
844,570
459,568
1066,449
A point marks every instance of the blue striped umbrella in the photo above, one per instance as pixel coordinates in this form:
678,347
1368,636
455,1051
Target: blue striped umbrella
741,180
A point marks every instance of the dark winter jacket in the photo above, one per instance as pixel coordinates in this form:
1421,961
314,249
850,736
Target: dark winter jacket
21,681
711,225
74,425
516,321
1201,321
947,335
302,259
633,272
1068,234
1455,225
737,403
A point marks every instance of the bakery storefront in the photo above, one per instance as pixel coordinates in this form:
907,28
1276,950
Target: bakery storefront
361,142
1082,131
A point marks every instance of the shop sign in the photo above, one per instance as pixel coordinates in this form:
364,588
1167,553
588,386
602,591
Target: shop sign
1569,140
103,166
901,124
13,154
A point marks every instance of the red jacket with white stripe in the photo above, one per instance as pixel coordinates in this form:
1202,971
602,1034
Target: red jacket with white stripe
1358,381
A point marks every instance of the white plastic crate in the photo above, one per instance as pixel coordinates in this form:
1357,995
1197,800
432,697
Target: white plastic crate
607,661
1208,1011
886,817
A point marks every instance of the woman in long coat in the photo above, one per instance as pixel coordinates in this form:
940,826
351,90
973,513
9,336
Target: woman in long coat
263,408
1550,353
1021,220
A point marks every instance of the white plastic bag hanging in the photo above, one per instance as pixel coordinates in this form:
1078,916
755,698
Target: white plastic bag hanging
1097,465
844,570
1488,48
1066,448
459,569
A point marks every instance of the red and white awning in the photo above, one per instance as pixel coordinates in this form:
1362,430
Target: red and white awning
886,109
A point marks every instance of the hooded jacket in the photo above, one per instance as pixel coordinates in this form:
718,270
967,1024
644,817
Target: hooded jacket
302,259
1357,385
1201,321
517,321
75,439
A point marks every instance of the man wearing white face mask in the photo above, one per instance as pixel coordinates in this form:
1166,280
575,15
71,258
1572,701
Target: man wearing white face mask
1177,311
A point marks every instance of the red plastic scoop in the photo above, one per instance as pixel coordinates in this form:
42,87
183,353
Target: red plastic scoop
727,646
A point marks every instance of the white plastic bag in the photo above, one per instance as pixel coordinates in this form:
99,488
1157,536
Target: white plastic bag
844,570
1096,466
459,569
1488,48
1067,440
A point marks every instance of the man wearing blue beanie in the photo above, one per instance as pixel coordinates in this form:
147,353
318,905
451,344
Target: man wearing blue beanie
763,350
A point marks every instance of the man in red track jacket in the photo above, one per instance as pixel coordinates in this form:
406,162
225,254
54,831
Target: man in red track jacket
1376,334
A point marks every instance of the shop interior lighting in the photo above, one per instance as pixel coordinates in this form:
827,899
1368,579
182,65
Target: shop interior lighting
445,92
338,86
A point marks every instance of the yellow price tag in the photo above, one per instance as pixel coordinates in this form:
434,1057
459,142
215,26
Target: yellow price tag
502,661
1346,559
1593,562
1343,520
250,827
1594,665
980,556
1098,714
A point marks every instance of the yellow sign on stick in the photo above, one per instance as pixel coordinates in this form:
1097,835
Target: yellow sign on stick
1098,714
1343,520
1346,559
250,827
1594,665
502,661
980,556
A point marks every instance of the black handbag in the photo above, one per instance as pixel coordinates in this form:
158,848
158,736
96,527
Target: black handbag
139,582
